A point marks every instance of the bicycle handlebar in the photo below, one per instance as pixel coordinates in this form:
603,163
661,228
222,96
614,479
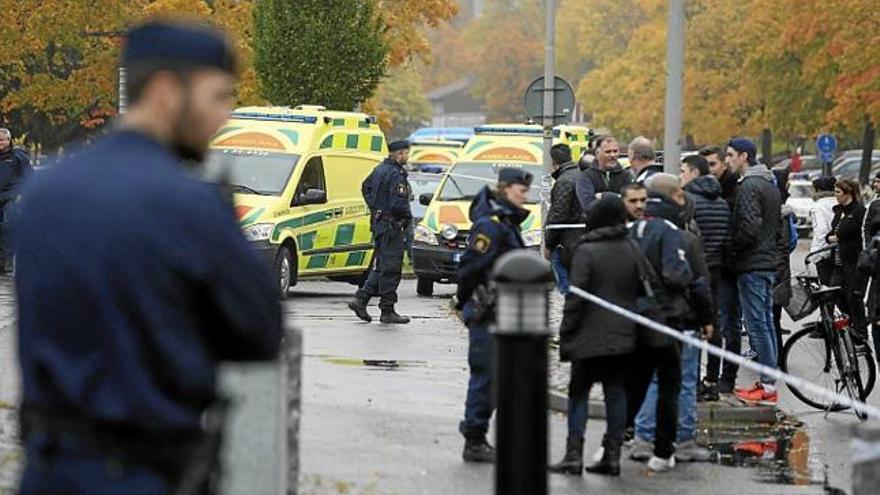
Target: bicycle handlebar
818,251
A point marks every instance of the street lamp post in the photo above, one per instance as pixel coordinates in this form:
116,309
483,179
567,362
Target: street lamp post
674,75
523,281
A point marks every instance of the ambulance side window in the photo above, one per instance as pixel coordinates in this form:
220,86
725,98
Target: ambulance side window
312,178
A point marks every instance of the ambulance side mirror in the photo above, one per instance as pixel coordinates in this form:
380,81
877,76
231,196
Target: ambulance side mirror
425,199
313,197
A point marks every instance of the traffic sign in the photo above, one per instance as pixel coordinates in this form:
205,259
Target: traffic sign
826,156
826,143
563,101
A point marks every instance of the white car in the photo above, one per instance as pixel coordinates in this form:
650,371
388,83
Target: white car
800,200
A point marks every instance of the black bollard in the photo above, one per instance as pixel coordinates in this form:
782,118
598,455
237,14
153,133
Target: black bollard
523,281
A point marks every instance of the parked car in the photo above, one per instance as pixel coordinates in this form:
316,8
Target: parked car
849,166
800,200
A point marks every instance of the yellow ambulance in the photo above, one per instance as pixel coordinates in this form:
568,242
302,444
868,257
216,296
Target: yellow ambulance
429,154
441,237
295,175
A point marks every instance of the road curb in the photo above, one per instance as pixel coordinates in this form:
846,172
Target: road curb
708,412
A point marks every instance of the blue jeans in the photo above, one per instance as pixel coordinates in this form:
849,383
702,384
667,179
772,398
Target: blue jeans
561,272
480,402
756,301
646,421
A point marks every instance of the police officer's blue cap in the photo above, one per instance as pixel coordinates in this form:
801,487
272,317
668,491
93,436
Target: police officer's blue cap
164,41
398,145
510,175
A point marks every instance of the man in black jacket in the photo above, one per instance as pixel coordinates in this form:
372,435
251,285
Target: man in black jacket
713,219
565,209
718,167
604,174
754,251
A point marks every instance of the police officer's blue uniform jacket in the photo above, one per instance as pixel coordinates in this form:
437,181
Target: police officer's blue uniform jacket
495,231
387,193
15,165
133,281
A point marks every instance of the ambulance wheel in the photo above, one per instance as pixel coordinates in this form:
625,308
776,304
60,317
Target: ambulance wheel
425,287
284,270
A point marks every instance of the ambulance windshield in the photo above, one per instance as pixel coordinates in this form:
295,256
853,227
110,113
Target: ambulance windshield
465,180
250,171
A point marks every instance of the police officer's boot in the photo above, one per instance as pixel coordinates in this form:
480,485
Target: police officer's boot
391,316
359,306
573,462
477,449
610,463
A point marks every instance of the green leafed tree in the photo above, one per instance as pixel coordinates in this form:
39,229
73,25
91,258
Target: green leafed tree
325,52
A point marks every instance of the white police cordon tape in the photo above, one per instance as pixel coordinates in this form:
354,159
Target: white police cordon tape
792,380
560,226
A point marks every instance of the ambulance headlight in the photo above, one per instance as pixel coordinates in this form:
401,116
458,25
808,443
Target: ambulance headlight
258,232
448,232
424,235
533,238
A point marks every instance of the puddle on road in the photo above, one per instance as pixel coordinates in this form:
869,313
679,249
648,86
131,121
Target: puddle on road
780,454
380,364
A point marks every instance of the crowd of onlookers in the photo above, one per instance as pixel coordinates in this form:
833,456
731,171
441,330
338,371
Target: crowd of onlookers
706,252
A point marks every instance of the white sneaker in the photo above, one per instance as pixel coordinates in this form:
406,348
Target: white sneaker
689,451
642,450
659,465
597,457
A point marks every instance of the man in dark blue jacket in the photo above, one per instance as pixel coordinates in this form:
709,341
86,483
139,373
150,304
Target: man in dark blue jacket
497,216
660,236
15,166
133,282
387,193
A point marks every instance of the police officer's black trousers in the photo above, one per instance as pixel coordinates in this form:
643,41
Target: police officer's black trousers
389,244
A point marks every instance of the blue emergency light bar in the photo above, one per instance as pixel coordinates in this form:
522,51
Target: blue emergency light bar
299,119
513,131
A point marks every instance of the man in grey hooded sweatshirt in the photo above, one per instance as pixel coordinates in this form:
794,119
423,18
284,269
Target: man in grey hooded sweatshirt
756,228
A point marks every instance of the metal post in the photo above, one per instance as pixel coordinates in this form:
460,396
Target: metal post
674,76
123,101
549,93
523,280
867,153
767,147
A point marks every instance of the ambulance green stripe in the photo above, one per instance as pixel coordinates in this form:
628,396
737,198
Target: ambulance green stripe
318,261
344,234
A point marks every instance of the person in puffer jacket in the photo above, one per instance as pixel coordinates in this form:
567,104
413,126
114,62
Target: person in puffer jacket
712,215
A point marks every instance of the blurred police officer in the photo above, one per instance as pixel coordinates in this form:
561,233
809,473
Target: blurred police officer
15,165
387,193
133,282
496,216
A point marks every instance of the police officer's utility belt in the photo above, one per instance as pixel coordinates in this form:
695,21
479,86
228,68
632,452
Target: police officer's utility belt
183,458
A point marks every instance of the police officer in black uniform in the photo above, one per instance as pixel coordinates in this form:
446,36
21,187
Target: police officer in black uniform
15,166
387,193
134,281
496,215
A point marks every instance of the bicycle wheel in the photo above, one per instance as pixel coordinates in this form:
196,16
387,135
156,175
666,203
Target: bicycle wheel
848,376
809,356
856,380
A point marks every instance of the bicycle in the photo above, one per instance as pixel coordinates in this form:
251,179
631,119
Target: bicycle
845,366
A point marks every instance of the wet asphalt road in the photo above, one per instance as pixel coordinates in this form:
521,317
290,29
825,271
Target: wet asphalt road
381,406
